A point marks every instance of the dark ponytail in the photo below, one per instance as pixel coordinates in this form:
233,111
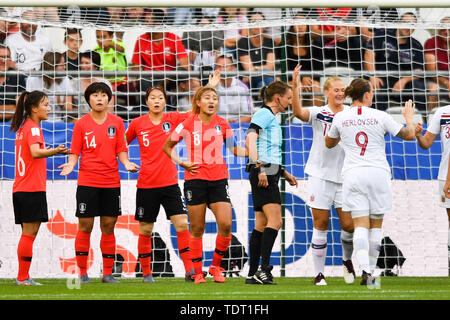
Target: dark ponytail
26,102
357,89
267,92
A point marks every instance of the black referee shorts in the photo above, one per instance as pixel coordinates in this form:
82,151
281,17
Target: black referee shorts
200,191
30,207
260,195
95,202
149,202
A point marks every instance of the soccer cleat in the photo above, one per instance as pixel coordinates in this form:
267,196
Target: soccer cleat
252,280
349,272
109,278
84,279
148,278
190,276
217,273
199,278
319,280
367,279
27,282
264,275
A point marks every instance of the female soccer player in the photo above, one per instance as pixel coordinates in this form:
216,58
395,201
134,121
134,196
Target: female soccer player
264,139
158,180
366,187
439,125
29,188
206,175
324,168
99,138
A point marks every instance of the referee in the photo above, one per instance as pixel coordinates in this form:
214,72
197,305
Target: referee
264,139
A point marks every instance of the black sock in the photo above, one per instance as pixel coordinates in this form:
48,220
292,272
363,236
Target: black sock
255,251
268,239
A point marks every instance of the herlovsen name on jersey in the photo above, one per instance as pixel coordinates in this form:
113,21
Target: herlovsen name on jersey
360,122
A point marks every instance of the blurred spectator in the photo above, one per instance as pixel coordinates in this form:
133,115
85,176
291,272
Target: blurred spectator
47,13
256,53
28,46
8,84
395,50
235,102
3,30
89,61
188,86
232,36
73,40
58,88
84,15
299,50
437,58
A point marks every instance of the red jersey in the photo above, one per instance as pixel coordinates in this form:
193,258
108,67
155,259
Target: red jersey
158,56
157,169
98,145
204,143
436,47
31,174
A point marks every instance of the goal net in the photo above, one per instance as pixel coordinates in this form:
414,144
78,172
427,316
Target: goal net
404,52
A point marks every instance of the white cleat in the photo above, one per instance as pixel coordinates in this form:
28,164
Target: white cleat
349,272
319,280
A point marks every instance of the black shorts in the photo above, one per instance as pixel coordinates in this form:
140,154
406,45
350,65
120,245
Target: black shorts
262,196
149,202
199,191
95,202
30,207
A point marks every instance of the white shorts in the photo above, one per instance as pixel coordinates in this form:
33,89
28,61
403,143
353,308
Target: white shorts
443,201
323,194
367,189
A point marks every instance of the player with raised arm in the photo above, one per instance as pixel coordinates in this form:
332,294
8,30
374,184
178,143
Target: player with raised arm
324,168
99,138
206,175
439,125
157,184
264,141
366,187
29,188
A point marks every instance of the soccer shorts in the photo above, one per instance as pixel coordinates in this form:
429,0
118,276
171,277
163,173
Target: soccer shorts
367,189
262,196
443,201
30,207
323,194
149,202
200,191
95,202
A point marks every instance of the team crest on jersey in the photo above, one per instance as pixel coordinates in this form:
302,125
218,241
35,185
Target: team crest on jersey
111,132
218,129
166,127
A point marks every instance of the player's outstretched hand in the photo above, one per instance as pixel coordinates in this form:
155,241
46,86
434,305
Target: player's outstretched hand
296,83
131,166
67,168
418,129
214,79
408,110
61,149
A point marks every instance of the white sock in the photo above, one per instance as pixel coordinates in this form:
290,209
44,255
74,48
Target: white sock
361,248
375,235
319,249
347,245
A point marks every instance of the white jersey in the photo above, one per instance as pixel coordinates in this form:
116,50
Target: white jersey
362,132
440,124
235,100
324,163
28,55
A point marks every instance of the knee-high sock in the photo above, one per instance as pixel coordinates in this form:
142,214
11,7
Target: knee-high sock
183,238
268,239
145,253
24,255
347,245
196,248
375,235
82,245
255,251
222,244
361,248
319,249
108,248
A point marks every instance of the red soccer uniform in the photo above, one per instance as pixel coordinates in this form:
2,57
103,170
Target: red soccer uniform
158,56
157,169
204,145
31,174
98,145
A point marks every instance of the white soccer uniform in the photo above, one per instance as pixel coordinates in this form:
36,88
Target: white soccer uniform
324,165
440,124
366,173
28,55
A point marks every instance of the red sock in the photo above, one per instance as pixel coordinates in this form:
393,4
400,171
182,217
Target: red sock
145,253
196,248
222,244
82,245
183,248
108,248
24,255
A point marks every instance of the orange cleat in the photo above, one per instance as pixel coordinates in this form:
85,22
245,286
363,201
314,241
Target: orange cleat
199,278
217,273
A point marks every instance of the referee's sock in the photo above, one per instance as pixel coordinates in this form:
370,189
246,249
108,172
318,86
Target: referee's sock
24,255
145,253
196,248
108,249
255,251
222,244
268,239
82,245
